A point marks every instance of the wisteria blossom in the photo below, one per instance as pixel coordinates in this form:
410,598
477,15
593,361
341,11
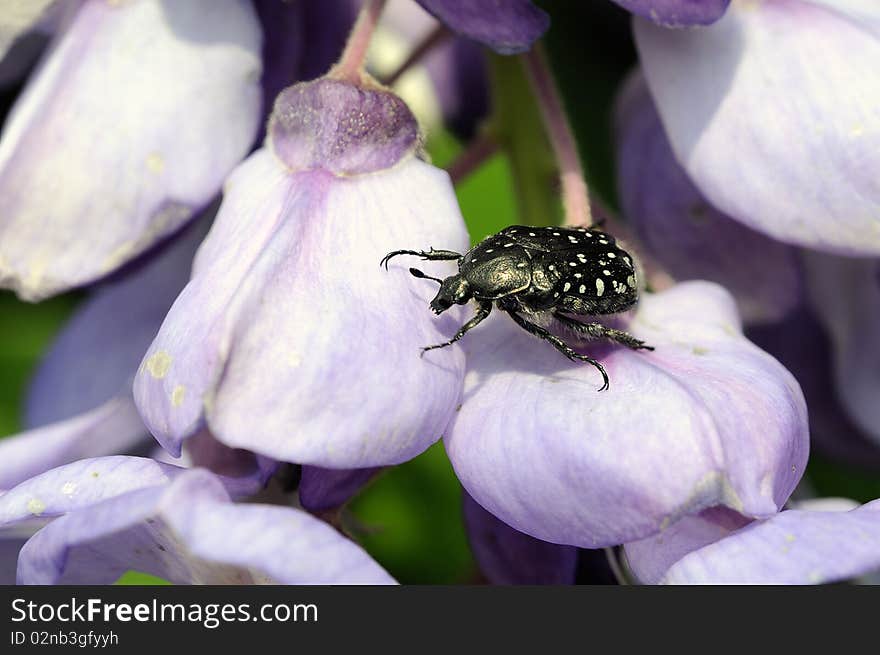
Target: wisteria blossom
121,513
245,387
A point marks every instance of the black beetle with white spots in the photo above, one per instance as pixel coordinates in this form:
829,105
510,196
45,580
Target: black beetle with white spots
538,273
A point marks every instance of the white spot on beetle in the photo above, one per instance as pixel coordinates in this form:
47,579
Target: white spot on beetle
572,263
631,281
556,234
532,234
606,272
578,275
490,250
507,245
600,286
611,255
583,288
567,286
603,242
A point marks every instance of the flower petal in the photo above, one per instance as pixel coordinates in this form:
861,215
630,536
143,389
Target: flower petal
96,355
81,484
507,556
508,27
677,13
107,151
321,489
792,547
801,345
706,419
845,294
687,235
111,428
651,558
289,253
779,139
182,533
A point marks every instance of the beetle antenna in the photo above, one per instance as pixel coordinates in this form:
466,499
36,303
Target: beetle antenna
417,273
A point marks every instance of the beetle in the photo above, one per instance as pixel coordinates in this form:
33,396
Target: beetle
533,274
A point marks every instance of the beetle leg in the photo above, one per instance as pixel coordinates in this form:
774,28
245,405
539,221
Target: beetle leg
483,309
599,331
559,344
432,255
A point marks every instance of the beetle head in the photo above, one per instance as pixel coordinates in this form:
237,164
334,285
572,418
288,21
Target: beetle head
454,290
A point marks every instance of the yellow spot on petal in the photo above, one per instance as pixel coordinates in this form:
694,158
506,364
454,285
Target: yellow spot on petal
294,359
697,350
36,506
155,163
158,364
857,131
68,488
178,395
790,537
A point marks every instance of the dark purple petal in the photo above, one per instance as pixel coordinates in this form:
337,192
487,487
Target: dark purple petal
301,40
509,27
338,127
322,489
244,473
682,231
507,556
107,151
845,295
188,532
803,347
706,419
777,138
677,13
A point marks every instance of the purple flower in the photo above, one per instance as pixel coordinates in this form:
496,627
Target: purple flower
706,419
90,173
845,294
79,403
824,541
686,234
289,340
507,556
781,140
508,27
677,13
119,514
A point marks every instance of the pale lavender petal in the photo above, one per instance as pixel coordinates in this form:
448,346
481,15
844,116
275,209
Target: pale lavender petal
677,13
81,484
96,355
107,151
845,294
783,141
792,547
289,324
188,532
322,489
509,27
650,558
686,234
507,556
111,428
706,419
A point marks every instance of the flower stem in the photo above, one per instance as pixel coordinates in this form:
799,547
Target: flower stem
616,569
470,159
575,196
437,36
350,66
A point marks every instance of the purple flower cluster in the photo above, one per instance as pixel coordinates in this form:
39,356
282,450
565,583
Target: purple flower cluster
233,211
